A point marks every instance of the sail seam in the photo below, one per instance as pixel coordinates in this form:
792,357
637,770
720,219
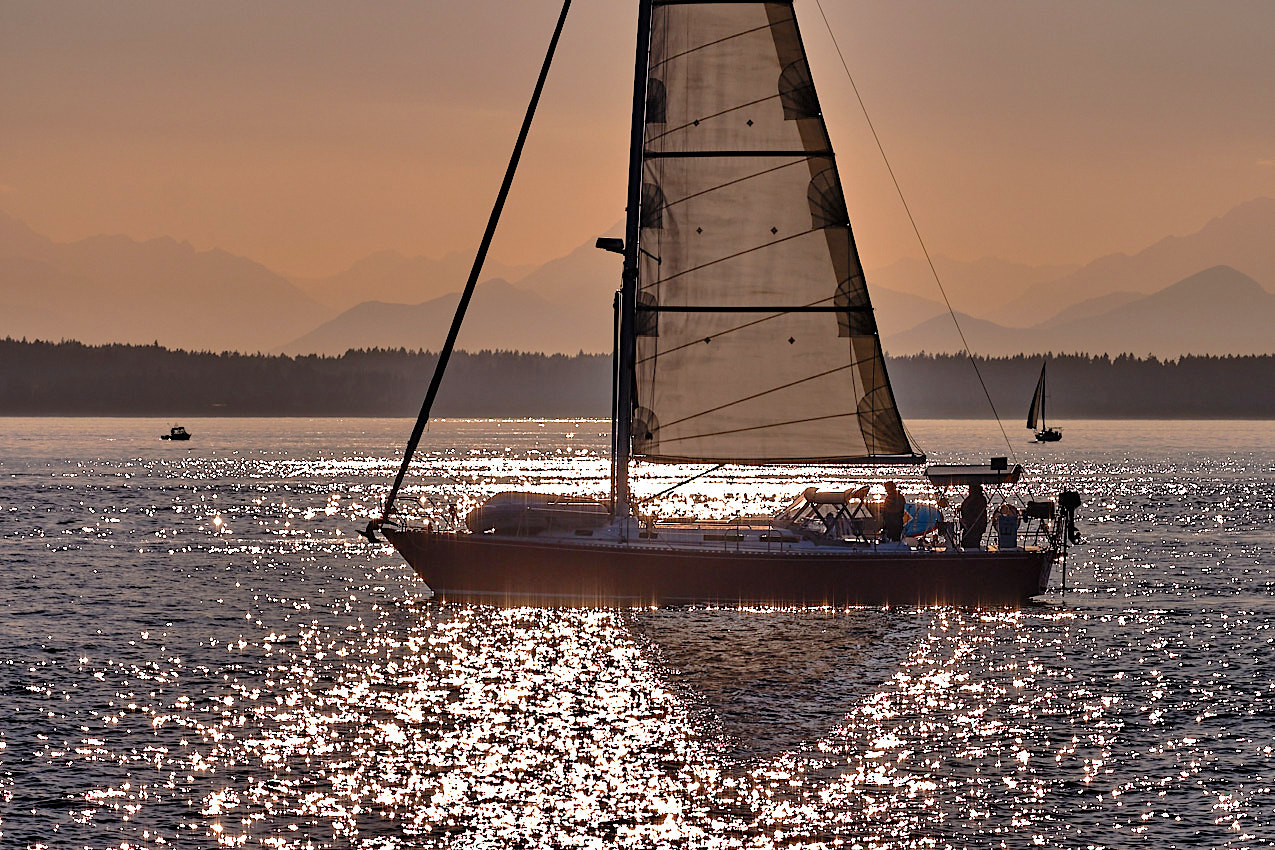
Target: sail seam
742,309
664,439
735,255
744,326
875,460
712,2
707,44
754,396
726,111
741,154
799,161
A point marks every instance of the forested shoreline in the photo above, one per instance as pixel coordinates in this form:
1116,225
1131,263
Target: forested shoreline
72,379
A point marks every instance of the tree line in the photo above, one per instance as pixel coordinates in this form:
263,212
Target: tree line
73,379
1081,386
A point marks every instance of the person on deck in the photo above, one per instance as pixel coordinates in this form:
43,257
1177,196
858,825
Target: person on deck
973,517
892,513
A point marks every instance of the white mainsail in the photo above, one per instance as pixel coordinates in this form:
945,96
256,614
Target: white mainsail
756,340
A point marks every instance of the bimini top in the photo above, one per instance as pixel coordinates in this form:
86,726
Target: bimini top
948,475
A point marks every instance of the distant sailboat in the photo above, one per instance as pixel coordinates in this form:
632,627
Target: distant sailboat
1036,413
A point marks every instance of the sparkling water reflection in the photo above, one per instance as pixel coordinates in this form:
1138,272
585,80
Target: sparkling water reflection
195,650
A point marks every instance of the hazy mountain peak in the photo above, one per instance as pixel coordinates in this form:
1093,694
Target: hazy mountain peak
1240,238
1218,310
17,239
10,224
1091,307
1244,221
1256,208
387,258
113,288
501,316
983,285
1219,281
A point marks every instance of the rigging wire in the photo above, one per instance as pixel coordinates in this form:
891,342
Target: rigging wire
445,353
876,138
678,484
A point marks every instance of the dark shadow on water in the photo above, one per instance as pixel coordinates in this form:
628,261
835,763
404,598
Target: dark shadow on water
762,682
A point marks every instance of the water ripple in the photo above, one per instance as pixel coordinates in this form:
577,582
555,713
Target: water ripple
195,650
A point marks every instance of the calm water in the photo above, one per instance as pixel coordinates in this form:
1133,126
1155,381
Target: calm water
195,649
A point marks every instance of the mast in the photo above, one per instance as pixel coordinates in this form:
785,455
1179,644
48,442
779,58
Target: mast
627,339
1043,426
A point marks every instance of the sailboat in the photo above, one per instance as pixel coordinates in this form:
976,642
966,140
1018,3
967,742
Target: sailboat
744,334
1036,413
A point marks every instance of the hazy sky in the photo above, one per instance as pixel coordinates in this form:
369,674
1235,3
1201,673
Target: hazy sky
308,133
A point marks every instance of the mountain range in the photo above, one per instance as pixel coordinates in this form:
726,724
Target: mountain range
562,307
506,318
1216,311
1199,293
391,277
115,289
1243,238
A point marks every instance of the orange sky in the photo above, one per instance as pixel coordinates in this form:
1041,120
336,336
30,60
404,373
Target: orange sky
307,135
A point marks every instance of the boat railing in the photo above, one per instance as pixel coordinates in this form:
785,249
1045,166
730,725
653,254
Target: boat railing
1014,526
446,517
764,531
1010,522
735,535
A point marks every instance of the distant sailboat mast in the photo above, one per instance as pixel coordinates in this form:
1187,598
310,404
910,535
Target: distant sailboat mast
1037,413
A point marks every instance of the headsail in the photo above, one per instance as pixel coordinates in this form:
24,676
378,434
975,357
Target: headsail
756,340
1038,402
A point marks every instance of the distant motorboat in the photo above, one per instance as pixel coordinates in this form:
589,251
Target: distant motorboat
176,432
1037,412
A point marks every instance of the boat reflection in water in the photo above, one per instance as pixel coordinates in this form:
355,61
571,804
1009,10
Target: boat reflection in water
763,682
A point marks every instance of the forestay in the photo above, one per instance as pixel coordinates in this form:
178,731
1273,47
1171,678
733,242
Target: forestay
756,340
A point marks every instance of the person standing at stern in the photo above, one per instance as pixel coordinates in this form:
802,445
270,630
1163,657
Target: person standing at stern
973,517
892,513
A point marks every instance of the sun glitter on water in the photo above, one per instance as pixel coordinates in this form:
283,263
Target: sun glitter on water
267,680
